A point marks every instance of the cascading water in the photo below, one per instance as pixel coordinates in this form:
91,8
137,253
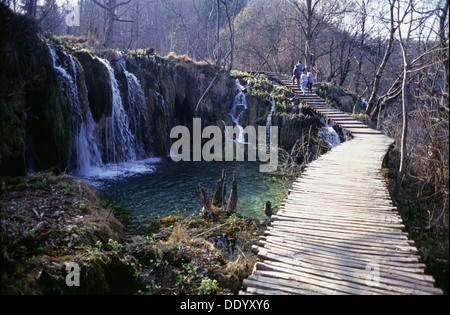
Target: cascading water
120,142
62,73
136,111
124,137
329,135
87,151
239,101
165,107
84,150
269,119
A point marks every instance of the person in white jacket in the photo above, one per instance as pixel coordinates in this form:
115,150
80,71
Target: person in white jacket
304,82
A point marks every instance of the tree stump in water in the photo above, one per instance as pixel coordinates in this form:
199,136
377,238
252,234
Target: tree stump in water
206,204
221,188
219,204
232,201
268,208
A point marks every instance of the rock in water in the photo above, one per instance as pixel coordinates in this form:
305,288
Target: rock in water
232,201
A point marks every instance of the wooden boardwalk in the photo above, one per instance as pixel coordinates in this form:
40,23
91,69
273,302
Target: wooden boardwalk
338,232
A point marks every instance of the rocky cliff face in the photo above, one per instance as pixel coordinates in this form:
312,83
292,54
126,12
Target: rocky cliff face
68,107
54,96
34,111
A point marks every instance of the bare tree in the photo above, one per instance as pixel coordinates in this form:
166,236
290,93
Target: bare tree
380,70
415,59
110,7
218,51
263,42
362,16
403,41
311,17
230,15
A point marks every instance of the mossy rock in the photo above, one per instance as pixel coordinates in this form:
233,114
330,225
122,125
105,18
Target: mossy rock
34,119
98,85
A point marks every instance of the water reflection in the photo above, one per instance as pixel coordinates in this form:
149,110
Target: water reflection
165,187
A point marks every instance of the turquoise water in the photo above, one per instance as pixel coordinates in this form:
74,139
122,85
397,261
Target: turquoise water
159,187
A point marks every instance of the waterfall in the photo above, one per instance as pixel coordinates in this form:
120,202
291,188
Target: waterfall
87,151
84,151
125,132
62,73
329,135
165,107
136,111
239,101
269,119
120,142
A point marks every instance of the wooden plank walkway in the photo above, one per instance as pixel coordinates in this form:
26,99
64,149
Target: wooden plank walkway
338,232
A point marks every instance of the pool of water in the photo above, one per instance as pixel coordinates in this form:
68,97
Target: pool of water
159,187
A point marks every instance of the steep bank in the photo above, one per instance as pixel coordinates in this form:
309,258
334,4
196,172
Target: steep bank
34,113
49,222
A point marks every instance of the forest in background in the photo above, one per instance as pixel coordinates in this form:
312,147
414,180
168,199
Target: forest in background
393,53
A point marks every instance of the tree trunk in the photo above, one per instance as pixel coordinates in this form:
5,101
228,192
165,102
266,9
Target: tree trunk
403,153
231,28
219,195
309,35
404,42
218,50
109,23
206,204
443,36
268,209
376,82
232,201
361,45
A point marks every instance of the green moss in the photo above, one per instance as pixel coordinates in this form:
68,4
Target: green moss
34,113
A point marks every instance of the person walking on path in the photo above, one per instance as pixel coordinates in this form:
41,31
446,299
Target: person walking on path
310,81
297,73
304,83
